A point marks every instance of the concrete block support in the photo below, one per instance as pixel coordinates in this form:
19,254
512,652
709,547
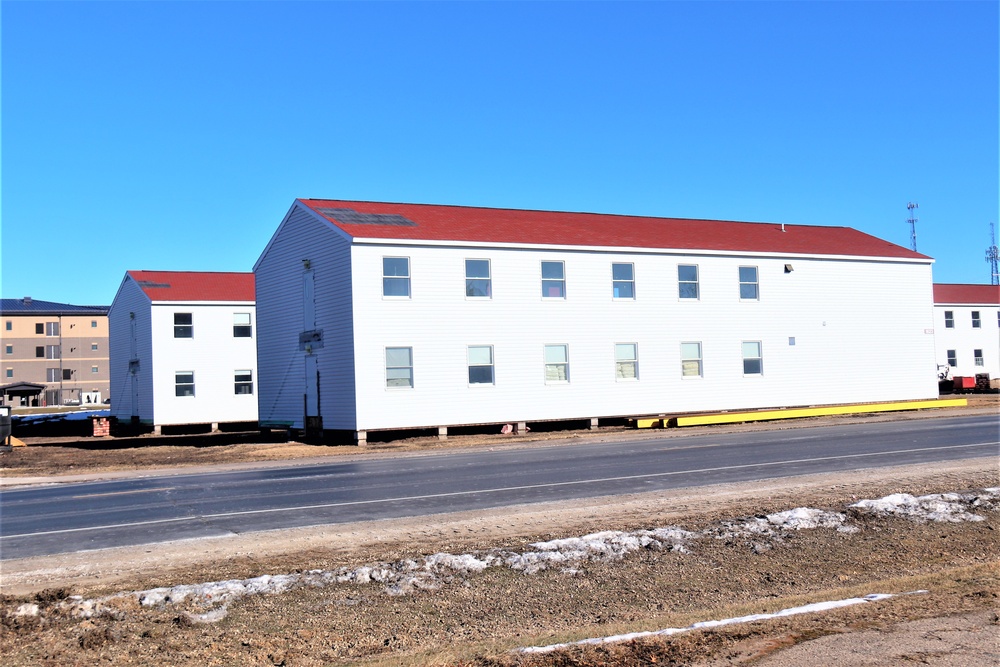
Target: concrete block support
215,427
521,428
361,438
593,423
442,432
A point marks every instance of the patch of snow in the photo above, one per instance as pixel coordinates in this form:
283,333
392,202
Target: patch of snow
937,507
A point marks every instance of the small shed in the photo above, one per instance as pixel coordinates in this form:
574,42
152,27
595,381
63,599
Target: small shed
22,394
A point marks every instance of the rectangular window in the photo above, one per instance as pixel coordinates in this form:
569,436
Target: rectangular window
243,382
51,351
477,278
183,326
952,358
556,363
67,374
39,327
396,276
9,325
553,280
399,367
753,362
93,324
93,369
184,383
691,360
978,354
623,281
626,361
93,347
39,351
241,325
9,349
52,374
480,364
10,372
748,283
687,281
51,328
976,322
949,319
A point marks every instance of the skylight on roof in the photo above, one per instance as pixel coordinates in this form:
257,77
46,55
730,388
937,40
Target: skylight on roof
349,216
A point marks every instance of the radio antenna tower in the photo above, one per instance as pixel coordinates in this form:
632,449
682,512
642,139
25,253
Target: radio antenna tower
913,226
992,255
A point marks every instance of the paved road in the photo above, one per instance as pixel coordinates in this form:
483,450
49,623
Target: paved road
72,517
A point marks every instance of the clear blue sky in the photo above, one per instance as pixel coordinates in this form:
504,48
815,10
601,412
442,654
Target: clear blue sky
175,135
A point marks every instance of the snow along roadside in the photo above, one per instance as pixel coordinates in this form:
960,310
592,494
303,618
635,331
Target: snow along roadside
404,577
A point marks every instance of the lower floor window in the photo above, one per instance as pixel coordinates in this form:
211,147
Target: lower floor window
753,361
53,374
691,360
626,361
952,358
978,354
480,364
399,367
184,383
556,363
244,382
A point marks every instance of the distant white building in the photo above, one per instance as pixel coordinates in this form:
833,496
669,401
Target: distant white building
183,348
386,316
967,328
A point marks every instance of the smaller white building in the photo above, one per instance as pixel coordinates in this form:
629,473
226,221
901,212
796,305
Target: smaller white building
183,349
967,329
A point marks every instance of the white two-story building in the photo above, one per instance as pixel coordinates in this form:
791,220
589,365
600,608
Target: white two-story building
967,329
183,349
387,316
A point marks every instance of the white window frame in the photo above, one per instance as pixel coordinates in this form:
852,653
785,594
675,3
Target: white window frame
755,283
94,369
239,383
93,347
9,349
181,328
555,365
977,321
617,281
952,358
242,325
553,282
978,356
403,279
471,281
397,367
53,352
51,329
53,375
10,373
759,357
178,385
685,360
949,319
682,283
622,363
491,365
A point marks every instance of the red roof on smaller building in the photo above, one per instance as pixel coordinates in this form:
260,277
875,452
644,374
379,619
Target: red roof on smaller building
195,285
972,294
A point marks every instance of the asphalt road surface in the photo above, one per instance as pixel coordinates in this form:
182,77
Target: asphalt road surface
62,518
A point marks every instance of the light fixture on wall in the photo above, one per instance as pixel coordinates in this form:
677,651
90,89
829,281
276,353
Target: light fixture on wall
788,268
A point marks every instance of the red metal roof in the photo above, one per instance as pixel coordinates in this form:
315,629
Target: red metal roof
491,225
195,285
954,293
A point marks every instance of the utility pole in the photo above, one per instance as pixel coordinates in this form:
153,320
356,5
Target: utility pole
913,225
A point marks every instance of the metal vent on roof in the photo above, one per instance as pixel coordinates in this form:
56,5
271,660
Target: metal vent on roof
151,283
349,216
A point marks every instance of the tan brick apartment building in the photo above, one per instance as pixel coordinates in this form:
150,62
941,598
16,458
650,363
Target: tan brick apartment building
53,353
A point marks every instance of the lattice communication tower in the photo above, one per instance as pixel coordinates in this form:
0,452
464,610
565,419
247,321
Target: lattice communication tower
991,256
913,225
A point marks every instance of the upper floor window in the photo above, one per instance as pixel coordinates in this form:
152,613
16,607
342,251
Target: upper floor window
243,381
52,352
93,347
976,322
241,325
399,367
53,375
481,364
9,349
39,327
949,319
952,358
687,281
978,356
9,325
748,283
396,276
10,372
94,369
623,281
40,351
68,373
626,361
554,280
556,363
183,326
753,361
93,324
691,360
51,328
477,278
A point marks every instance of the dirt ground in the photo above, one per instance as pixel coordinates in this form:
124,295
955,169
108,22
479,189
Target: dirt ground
479,618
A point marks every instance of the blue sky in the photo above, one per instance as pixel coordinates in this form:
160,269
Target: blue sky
175,135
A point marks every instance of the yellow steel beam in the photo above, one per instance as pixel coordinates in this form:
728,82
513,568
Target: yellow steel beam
646,423
794,413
